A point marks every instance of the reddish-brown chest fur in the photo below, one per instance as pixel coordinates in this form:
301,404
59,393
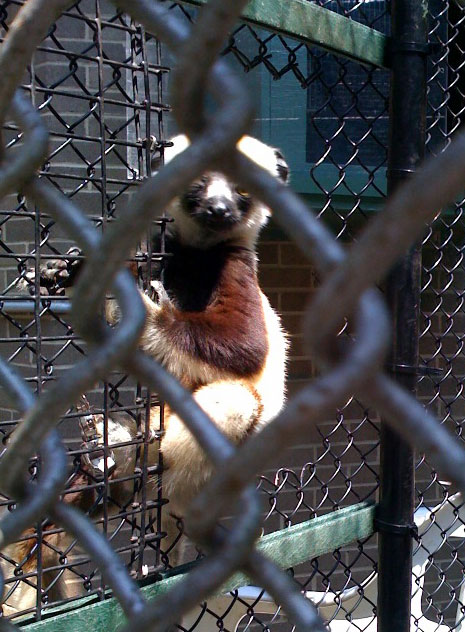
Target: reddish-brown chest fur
217,313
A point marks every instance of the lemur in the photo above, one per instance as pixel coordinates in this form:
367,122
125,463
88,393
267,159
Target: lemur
209,325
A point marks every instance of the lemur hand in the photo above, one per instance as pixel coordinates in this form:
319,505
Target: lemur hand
55,275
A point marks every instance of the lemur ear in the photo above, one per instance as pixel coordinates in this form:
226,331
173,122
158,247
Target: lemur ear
282,167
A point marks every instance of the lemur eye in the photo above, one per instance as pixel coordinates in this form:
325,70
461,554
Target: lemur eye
242,193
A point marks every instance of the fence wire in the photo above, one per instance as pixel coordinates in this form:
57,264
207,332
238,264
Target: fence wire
345,291
440,572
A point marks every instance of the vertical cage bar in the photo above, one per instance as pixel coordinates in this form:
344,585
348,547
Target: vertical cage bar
159,559
38,355
98,39
406,149
145,518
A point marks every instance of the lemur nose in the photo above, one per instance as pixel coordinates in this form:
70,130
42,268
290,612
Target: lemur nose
219,207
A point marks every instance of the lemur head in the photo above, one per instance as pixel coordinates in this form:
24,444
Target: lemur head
214,209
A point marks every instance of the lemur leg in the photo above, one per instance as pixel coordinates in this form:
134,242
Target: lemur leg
21,594
122,429
235,408
121,455
56,583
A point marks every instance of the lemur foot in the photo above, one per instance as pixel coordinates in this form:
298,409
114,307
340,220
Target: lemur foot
92,427
120,433
92,440
55,275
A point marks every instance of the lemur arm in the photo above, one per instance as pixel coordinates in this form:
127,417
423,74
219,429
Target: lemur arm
57,275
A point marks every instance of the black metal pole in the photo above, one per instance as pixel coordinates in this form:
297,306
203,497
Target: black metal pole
409,50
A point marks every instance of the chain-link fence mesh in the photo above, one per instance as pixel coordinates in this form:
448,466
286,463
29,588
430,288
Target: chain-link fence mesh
442,329
99,82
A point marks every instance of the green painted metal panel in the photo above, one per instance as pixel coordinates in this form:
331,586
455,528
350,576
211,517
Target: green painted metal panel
317,26
287,547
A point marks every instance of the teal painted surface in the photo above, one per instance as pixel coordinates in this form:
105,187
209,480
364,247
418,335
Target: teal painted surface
287,547
327,176
315,25
282,120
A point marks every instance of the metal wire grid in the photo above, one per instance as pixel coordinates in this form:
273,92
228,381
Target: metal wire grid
350,215
346,136
337,93
441,342
369,13
97,81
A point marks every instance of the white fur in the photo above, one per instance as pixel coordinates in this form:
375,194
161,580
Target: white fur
24,595
219,186
232,406
245,233
261,153
180,143
271,382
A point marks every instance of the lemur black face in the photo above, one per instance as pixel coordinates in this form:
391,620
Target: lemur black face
215,203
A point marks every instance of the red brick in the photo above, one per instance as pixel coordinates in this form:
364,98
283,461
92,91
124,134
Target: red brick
292,323
293,256
301,369
298,347
293,277
268,253
295,301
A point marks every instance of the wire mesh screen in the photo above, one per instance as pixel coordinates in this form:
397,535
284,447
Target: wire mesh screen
97,81
330,118
441,567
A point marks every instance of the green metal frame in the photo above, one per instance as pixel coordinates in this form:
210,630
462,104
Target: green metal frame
317,26
287,547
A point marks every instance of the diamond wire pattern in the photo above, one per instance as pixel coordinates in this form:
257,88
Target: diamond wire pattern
346,137
442,319
346,155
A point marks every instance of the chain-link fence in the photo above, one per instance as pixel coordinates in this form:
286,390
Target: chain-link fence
99,81
441,330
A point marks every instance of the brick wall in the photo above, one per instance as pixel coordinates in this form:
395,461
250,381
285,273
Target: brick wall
336,462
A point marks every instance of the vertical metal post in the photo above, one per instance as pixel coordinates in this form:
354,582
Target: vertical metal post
409,49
